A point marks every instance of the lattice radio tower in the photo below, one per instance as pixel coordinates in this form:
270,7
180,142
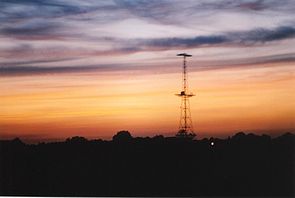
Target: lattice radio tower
185,122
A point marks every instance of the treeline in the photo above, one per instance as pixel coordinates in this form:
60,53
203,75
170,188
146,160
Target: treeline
241,165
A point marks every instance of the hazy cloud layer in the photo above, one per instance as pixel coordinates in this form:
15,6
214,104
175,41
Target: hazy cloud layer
40,37
241,38
27,70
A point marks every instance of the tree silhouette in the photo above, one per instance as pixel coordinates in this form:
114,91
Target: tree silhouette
122,136
76,139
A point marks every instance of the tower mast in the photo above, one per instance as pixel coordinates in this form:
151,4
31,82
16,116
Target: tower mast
185,123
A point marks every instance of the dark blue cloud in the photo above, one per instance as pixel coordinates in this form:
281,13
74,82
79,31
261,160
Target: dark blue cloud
256,36
33,70
24,9
31,30
32,62
12,10
185,42
265,35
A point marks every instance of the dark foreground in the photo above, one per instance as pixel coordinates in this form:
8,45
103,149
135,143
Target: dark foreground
244,165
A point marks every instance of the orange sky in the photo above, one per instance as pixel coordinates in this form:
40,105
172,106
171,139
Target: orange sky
254,99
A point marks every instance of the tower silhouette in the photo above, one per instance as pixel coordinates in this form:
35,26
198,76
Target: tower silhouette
185,122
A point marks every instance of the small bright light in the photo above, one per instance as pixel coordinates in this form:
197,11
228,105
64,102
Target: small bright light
212,143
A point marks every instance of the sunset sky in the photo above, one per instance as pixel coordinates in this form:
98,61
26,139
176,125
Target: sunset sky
92,68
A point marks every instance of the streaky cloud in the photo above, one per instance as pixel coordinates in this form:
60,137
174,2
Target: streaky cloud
177,12
31,29
242,38
252,38
28,9
261,35
27,70
33,70
30,62
260,61
185,42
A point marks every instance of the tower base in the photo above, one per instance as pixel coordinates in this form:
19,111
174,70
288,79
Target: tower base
184,134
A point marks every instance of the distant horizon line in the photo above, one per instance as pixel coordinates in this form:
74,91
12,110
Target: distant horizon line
110,138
